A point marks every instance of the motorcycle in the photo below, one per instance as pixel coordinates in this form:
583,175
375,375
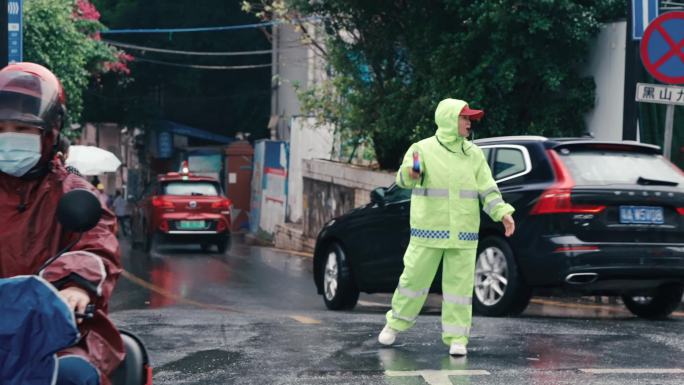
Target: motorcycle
79,211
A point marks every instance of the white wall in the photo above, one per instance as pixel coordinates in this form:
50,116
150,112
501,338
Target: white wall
607,65
293,63
307,141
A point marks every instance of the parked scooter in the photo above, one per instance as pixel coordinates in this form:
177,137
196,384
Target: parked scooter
79,211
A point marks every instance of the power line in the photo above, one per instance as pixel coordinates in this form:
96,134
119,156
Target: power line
180,52
197,29
207,29
199,66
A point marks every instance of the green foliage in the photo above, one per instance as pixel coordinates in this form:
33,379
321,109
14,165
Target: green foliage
393,61
57,39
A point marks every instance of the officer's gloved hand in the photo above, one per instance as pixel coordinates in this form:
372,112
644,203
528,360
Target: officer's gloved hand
412,173
509,224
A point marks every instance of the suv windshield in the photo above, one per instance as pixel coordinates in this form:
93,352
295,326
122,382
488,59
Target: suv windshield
190,188
610,167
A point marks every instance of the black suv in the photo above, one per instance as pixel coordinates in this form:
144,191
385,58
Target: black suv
593,217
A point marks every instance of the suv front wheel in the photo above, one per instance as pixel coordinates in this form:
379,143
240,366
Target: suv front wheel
499,288
339,289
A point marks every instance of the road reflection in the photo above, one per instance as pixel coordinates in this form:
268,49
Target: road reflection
182,276
168,276
552,352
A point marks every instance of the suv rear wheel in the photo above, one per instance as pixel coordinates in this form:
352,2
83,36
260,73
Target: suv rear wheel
660,305
499,288
339,289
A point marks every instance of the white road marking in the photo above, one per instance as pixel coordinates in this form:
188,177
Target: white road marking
436,377
634,371
304,319
369,303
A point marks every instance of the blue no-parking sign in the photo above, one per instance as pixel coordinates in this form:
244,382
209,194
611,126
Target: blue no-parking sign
662,48
14,34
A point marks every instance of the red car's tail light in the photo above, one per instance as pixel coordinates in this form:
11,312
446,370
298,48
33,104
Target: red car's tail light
164,226
161,202
223,204
556,199
680,210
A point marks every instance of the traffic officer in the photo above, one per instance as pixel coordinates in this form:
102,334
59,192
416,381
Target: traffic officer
449,176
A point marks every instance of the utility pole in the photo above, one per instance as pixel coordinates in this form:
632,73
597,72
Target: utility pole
629,120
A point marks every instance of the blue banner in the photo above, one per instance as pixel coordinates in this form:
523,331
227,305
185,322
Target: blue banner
14,31
164,144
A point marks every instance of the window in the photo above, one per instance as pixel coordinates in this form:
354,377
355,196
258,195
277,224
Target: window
191,188
608,167
508,162
486,152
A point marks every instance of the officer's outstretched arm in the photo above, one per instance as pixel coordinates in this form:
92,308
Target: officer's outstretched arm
405,178
490,196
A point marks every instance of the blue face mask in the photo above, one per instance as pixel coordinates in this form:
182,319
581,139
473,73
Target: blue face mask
18,152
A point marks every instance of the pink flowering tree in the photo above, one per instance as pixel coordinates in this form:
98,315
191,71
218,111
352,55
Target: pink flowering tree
64,35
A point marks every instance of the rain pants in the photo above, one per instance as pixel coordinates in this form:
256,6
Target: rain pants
30,234
445,221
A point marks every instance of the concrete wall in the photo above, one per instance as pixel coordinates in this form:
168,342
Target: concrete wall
607,65
331,189
307,141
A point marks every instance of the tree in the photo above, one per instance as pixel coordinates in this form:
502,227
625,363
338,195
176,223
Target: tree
63,36
394,60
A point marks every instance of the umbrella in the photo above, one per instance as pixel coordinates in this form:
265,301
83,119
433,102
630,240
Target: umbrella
91,160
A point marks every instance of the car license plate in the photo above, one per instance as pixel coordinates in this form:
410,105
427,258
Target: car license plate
642,215
191,225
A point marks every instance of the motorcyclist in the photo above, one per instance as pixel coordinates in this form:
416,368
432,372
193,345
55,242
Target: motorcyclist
32,180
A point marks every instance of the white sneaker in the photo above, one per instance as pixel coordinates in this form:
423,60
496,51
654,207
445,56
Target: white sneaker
457,349
387,336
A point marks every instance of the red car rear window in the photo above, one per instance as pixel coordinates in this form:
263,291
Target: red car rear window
190,188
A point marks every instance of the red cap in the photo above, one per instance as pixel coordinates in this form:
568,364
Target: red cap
471,113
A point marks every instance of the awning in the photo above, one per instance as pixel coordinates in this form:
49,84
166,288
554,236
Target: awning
181,129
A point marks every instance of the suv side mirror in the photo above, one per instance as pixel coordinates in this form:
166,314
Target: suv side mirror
79,211
378,196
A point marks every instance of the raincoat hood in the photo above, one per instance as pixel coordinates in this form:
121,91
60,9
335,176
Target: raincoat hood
446,118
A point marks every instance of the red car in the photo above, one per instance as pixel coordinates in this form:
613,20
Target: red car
185,208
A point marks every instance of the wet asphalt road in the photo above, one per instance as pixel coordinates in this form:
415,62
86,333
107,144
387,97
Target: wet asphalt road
252,317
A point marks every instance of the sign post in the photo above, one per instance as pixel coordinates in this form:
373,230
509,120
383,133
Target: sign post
643,13
14,31
662,54
662,94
